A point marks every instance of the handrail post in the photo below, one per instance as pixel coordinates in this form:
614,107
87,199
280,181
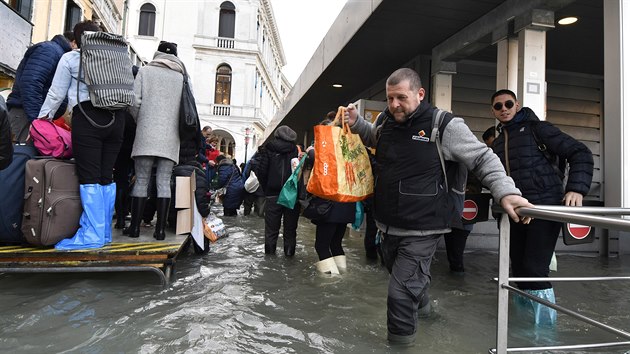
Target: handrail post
503,294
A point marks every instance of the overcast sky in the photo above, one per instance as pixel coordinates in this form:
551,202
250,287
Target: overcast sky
302,25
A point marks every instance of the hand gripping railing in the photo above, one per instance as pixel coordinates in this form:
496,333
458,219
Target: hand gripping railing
593,216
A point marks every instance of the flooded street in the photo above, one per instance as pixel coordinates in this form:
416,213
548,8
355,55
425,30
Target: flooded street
237,300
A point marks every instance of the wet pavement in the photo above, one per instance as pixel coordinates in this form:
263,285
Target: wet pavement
237,300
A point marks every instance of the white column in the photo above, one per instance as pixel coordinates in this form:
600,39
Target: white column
507,64
443,91
616,162
442,85
532,90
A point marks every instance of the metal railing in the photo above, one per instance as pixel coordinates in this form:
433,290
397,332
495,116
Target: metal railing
593,216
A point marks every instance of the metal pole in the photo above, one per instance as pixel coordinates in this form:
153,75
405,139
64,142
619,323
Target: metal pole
503,294
245,151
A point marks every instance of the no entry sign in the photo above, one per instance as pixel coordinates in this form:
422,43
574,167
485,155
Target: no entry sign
578,231
470,210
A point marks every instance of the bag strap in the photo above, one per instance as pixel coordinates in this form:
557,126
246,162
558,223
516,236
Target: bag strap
553,160
94,124
438,118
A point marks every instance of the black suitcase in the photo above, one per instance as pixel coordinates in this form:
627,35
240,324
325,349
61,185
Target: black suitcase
12,195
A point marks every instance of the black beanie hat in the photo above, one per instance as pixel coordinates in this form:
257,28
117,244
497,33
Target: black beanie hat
285,133
167,47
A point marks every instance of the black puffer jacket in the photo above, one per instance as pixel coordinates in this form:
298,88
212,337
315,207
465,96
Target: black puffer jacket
275,165
6,145
532,172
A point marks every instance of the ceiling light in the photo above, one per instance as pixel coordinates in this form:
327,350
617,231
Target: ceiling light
337,85
567,20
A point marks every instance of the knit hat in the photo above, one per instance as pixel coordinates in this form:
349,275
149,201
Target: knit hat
167,47
285,133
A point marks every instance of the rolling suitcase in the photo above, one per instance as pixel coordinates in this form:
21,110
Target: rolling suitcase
52,203
12,195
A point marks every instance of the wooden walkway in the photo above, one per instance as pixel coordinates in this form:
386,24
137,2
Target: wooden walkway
124,254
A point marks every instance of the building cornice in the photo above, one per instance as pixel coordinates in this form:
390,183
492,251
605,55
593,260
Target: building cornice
266,5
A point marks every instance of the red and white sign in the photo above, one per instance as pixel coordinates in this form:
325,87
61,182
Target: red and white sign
470,210
578,231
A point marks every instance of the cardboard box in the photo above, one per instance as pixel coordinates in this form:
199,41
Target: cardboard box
184,200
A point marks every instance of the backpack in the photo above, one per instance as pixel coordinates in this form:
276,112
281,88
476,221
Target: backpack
455,174
107,72
559,165
51,140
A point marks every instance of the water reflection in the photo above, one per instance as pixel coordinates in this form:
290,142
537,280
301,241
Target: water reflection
236,300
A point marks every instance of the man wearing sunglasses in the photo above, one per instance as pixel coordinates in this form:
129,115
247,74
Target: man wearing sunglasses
412,209
521,138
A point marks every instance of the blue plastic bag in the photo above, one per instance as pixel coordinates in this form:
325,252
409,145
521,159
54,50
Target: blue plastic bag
359,215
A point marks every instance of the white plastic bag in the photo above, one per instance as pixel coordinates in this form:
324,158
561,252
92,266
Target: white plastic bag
251,183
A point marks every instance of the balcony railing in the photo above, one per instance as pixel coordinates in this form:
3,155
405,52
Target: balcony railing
221,110
225,43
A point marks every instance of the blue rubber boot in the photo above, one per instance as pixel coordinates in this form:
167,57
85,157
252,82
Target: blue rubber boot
91,233
544,315
109,198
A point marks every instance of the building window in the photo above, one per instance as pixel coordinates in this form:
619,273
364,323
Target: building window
73,16
23,7
147,20
227,17
223,85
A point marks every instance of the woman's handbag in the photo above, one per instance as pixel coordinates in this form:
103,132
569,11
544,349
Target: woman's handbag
189,126
315,208
221,192
289,192
342,170
51,140
188,116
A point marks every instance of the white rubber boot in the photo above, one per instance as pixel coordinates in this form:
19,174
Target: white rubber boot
327,266
340,261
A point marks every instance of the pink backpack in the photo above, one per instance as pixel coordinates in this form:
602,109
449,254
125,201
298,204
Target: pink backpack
51,140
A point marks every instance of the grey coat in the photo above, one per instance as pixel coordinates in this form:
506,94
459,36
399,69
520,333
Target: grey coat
158,95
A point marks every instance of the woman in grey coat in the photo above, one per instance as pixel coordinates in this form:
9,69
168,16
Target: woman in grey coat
157,135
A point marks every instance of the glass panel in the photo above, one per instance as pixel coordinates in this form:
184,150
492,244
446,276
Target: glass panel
226,23
146,25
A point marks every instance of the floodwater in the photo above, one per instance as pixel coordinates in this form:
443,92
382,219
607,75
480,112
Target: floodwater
237,300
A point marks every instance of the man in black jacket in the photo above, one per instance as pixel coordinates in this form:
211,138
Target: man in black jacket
541,182
6,143
273,171
32,80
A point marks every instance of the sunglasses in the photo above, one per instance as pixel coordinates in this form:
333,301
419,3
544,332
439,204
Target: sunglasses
499,106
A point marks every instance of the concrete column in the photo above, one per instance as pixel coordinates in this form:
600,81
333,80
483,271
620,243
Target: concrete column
532,87
616,123
532,44
507,64
442,85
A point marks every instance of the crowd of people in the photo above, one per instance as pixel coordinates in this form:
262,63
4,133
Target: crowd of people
408,214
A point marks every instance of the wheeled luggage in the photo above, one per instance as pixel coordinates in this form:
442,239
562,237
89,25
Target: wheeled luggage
12,195
52,203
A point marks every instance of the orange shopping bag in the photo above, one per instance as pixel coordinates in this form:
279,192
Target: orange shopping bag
342,170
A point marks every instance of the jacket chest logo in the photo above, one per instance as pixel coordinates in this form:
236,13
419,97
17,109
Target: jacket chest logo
421,136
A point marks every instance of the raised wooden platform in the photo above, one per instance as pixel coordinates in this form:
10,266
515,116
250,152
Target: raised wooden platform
124,254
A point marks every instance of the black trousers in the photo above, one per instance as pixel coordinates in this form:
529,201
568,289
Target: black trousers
531,249
275,214
369,241
96,149
328,237
408,260
455,242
